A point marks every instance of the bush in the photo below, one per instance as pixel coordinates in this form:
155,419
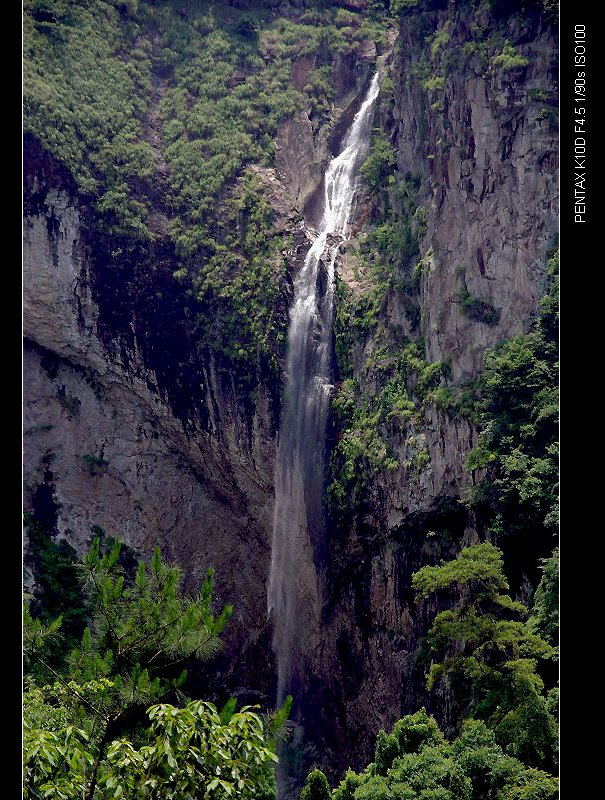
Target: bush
509,59
476,309
316,787
380,163
403,6
422,765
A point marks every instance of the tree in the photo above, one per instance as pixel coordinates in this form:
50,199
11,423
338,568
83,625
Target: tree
490,656
544,615
415,762
84,734
193,752
316,787
380,162
185,753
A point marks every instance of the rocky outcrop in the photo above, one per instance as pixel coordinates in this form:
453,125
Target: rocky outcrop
487,153
303,150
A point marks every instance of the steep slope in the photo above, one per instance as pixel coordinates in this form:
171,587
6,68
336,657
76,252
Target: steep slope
157,282
158,263
462,219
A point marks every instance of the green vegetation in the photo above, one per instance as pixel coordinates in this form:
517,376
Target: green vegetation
507,741
513,490
159,110
551,115
509,59
403,6
516,493
85,733
434,83
193,748
544,617
242,279
316,787
433,67
476,309
183,751
380,162
386,381
386,255
86,102
402,383
415,761
139,627
481,46
89,96
490,656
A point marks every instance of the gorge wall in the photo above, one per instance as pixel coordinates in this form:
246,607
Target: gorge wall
103,441
131,428
480,140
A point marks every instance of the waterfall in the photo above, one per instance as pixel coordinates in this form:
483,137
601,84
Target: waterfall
294,593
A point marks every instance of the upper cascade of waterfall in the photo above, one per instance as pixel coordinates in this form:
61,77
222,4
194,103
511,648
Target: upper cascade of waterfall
343,172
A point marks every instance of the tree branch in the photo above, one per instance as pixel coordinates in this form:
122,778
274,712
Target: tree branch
103,608
71,689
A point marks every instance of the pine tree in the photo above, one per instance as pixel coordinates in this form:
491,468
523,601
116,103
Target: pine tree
131,653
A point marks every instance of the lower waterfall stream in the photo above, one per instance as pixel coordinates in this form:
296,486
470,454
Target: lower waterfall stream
294,591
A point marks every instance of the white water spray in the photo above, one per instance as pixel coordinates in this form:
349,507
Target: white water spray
294,594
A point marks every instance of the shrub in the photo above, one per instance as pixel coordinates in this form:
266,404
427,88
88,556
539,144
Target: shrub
476,309
380,163
509,59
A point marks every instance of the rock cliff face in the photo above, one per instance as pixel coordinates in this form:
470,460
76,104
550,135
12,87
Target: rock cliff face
129,431
483,146
133,432
103,436
489,154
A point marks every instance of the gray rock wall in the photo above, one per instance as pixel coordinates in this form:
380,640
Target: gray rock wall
485,150
116,456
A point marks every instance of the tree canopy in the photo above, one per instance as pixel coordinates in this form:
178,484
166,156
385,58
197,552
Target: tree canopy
416,762
95,728
490,654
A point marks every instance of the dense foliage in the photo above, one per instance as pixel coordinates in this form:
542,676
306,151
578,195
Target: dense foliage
491,656
85,732
158,109
100,76
515,461
415,762
544,619
182,752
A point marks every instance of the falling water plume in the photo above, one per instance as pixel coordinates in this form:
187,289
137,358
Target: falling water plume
294,594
